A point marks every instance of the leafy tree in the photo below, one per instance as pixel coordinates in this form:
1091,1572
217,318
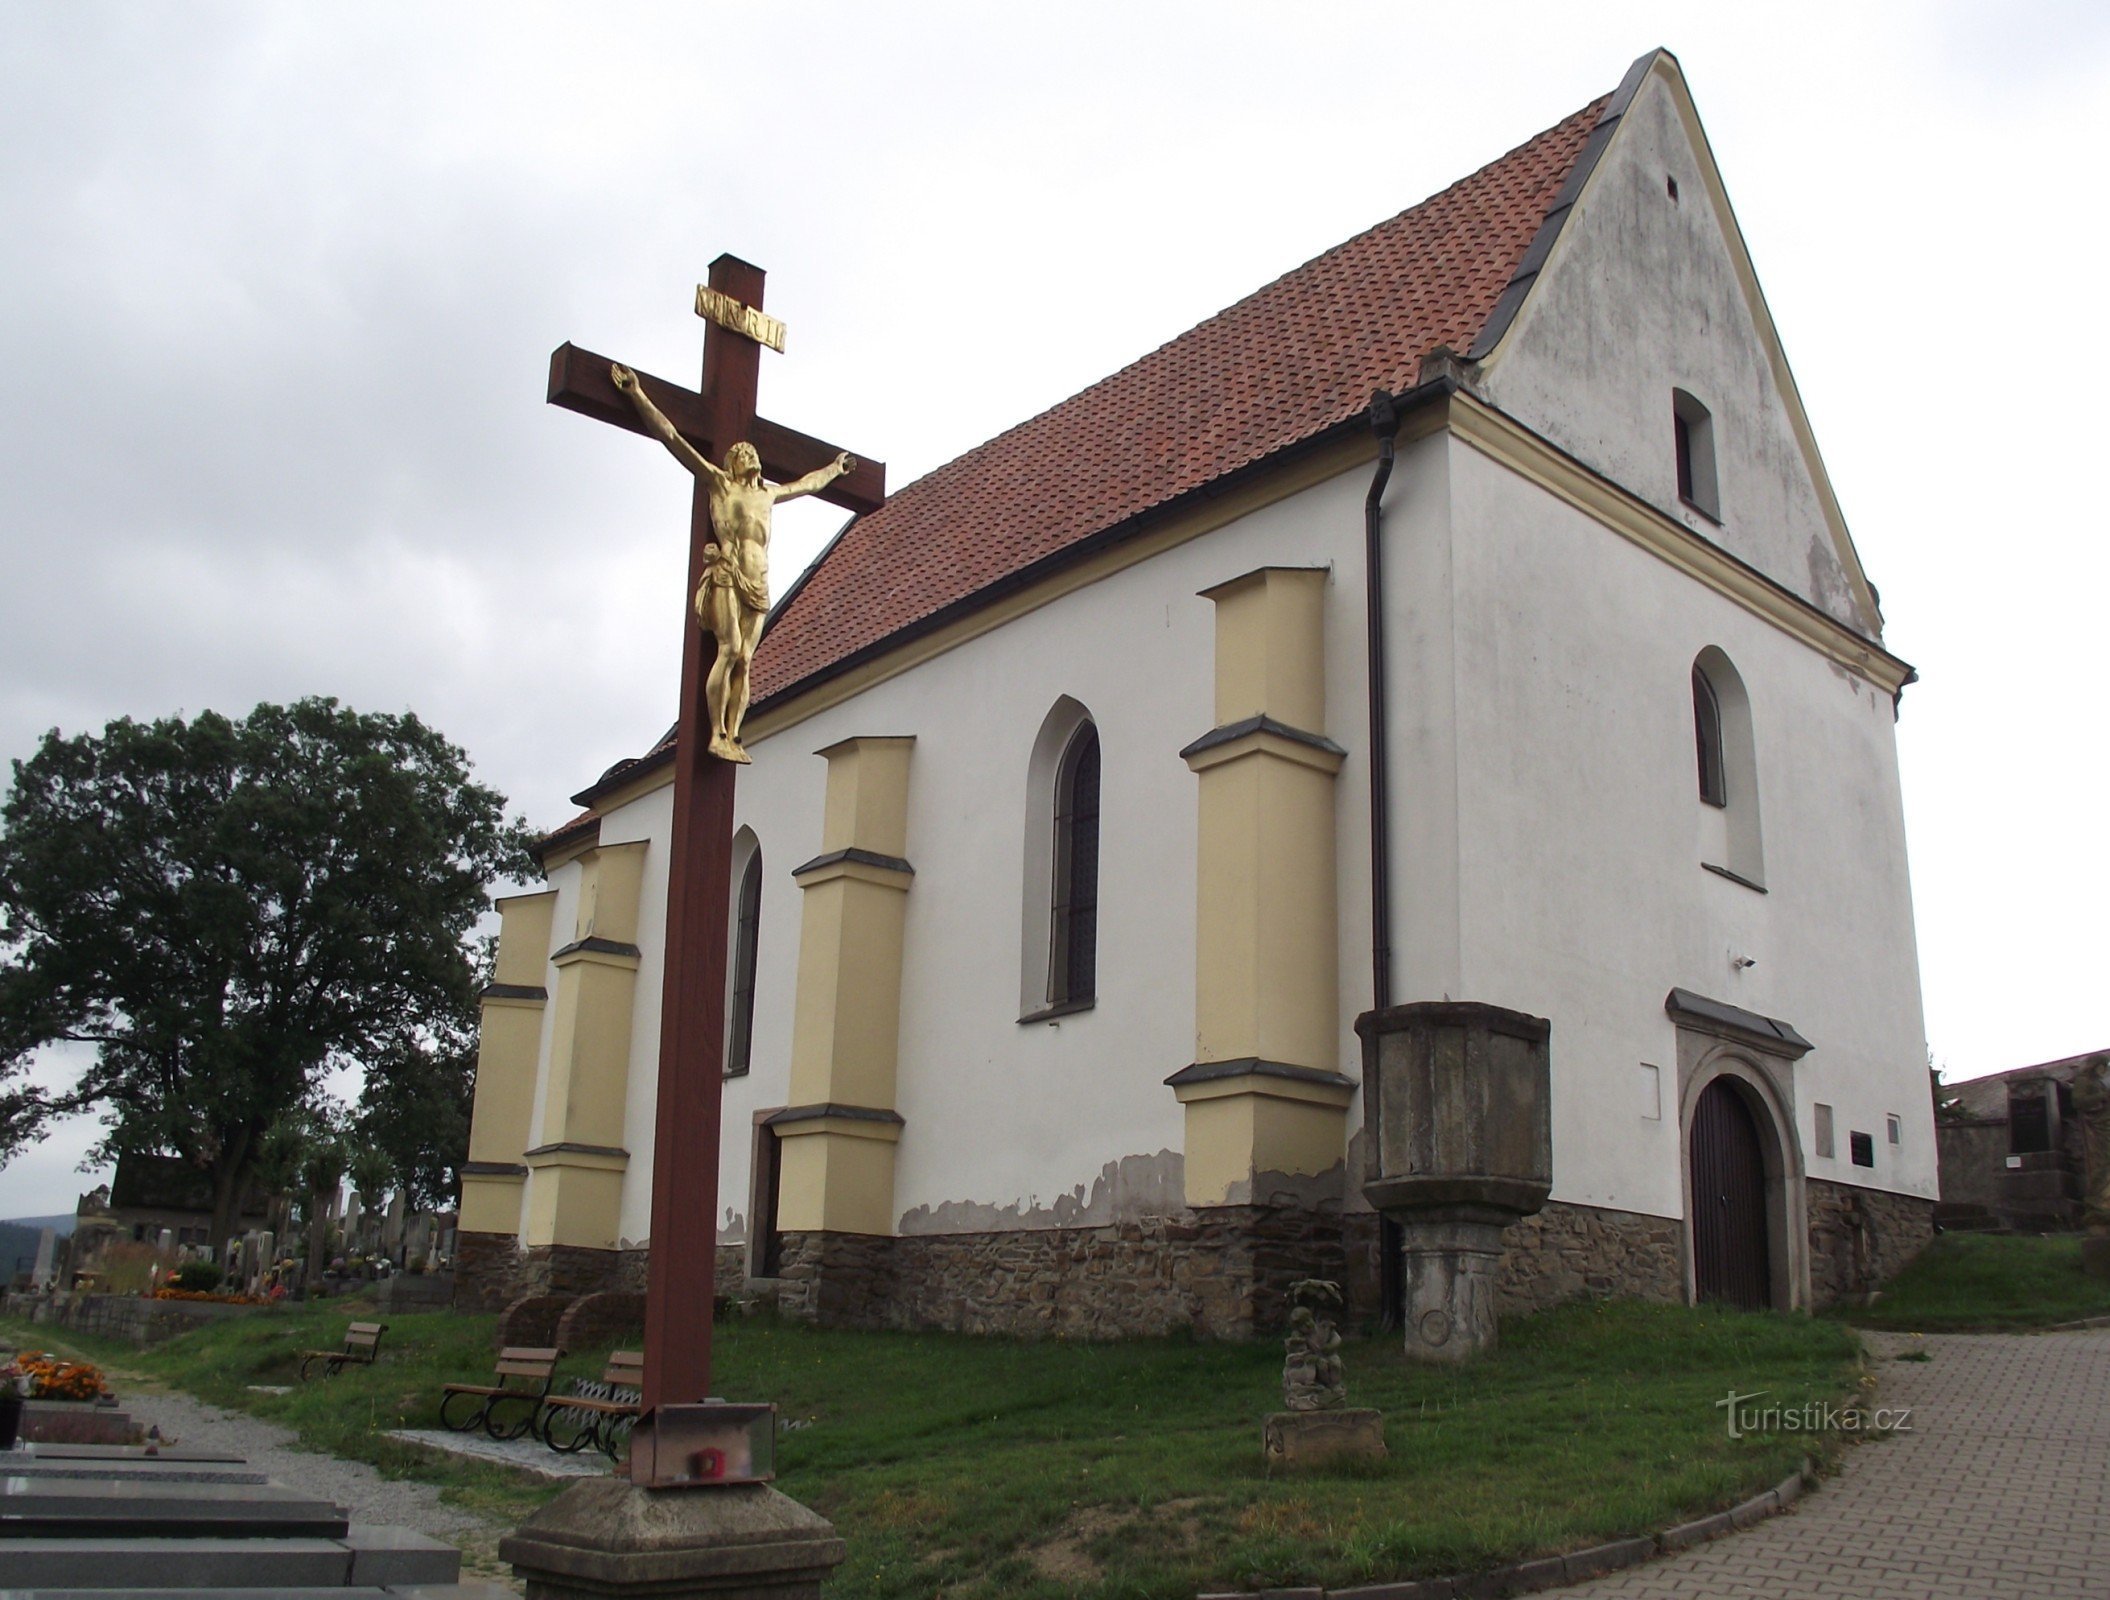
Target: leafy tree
413,1117
229,910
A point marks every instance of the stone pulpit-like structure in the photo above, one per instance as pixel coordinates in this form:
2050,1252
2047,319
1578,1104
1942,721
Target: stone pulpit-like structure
1459,1101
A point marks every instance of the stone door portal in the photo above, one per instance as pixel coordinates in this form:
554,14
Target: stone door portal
1731,1258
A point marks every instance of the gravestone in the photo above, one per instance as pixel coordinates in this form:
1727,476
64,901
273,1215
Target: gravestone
392,1228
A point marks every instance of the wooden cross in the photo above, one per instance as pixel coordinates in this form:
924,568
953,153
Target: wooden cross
682,1272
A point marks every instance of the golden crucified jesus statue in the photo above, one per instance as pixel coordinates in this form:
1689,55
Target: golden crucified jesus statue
732,596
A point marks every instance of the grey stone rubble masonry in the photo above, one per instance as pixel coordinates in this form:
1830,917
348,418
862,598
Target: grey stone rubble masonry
139,1322
1550,1572
1861,1238
493,1270
1223,1272
1220,1271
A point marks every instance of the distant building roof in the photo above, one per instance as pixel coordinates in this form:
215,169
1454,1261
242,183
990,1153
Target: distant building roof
1987,1096
170,1183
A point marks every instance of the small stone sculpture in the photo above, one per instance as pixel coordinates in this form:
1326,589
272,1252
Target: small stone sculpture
1311,1366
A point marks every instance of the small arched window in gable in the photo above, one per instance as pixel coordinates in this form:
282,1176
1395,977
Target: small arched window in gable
1073,933
1692,435
747,938
1707,734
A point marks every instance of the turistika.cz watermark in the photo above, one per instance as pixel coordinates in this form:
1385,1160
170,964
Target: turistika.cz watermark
1744,1417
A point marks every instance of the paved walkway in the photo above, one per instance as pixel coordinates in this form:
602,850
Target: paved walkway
1998,1490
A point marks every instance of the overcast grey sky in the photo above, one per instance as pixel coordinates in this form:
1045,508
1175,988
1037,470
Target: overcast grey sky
278,287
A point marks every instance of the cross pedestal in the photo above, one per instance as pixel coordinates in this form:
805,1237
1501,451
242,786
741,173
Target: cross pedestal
637,1535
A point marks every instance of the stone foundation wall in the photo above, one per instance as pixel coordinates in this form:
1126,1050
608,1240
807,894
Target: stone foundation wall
1861,1238
1973,1157
611,1317
492,1270
1569,1252
1223,1272
137,1321
531,1321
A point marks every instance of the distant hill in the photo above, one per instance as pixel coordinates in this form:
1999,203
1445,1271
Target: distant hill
61,1225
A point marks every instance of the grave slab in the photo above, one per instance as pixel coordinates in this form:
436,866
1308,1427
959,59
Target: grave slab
127,1452
383,1554
129,1472
101,1508
106,1563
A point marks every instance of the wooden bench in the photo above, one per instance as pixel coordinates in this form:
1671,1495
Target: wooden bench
362,1342
598,1414
524,1374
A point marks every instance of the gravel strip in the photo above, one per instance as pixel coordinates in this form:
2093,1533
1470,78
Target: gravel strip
363,1492
365,1495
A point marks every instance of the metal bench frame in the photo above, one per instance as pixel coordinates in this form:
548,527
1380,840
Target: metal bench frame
573,1422
532,1365
362,1344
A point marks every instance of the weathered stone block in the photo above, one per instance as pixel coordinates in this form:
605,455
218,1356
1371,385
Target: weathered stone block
1293,1439
606,1537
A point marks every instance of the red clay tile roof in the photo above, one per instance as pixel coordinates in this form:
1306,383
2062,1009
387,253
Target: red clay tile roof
1284,364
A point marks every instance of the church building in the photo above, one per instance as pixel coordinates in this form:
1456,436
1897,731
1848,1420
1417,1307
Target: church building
1465,615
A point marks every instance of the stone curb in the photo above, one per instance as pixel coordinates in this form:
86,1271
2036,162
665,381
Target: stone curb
1553,1572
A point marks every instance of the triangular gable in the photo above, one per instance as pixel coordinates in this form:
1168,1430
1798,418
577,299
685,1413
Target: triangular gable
1534,316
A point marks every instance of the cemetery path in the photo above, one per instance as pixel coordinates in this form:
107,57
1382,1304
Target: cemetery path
363,1492
1995,1491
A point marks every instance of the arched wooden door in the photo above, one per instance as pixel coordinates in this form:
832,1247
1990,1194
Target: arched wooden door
1730,1255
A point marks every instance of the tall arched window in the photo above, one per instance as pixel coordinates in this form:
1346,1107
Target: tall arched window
1059,888
747,935
1707,734
1731,841
1073,933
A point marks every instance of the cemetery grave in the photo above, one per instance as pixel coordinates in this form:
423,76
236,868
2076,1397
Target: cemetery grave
156,1517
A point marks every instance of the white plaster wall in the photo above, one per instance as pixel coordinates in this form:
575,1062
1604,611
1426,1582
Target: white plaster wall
1641,296
1582,894
1008,1123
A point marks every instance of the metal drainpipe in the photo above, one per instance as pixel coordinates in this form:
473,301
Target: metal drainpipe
1384,422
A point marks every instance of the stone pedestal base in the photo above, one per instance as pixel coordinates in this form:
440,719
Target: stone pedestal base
2095,1255
607,1537
1320,1438
1449,1268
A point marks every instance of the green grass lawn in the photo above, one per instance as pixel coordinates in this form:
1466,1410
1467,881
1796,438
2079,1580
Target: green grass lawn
979,1468
1986,1282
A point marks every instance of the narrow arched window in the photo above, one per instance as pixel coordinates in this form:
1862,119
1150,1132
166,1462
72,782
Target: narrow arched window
1707,735
1725,740
747,935
1073,934
1692,438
